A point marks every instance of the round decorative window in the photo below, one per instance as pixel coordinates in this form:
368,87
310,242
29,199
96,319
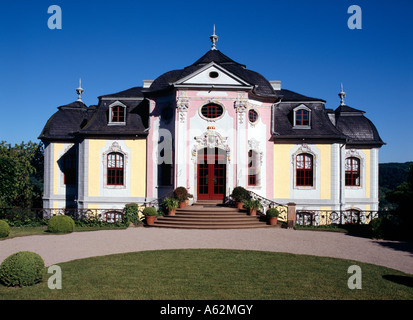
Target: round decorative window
213,74
252,115
212,111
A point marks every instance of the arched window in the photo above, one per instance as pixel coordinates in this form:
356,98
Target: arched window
302,117
212,111
352,172
117,114
115,170
253,168
304,170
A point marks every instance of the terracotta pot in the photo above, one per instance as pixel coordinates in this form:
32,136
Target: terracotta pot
171,212
272,221
150,220
253,212
182,204
239,205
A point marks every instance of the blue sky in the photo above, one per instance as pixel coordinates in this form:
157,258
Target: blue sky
114,45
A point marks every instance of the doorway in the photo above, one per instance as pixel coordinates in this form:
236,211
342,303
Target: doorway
211,169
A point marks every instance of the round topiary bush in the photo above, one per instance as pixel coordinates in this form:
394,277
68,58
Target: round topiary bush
240,194
61,224
149,212
4,229
21,269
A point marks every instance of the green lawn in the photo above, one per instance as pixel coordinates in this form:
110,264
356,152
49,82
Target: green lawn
216,275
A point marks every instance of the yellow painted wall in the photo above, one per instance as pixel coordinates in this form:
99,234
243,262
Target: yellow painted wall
282,170
367,172
95,158
57,149
325,173
137,167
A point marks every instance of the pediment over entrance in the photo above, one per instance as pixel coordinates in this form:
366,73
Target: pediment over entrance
212,75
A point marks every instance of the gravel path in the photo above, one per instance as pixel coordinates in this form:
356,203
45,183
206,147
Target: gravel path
55,249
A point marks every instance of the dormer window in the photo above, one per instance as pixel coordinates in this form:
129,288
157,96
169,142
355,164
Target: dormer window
117,114
302,117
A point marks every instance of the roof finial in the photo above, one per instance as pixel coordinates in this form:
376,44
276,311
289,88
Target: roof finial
342,94
214,39
79,90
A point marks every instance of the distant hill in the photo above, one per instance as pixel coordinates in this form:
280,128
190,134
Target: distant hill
390,176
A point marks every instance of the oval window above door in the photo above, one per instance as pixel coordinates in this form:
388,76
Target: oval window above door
212,111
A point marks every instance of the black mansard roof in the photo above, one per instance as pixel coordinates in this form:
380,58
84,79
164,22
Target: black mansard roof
77,120
345,124
261,85
359,129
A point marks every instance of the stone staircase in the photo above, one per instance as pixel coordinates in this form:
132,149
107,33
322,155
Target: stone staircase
211,215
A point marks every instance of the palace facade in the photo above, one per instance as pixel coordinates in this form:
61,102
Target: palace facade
210,127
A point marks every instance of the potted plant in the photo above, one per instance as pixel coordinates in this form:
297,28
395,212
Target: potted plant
171,204
252,206
150,215
181,194
272,216
239,195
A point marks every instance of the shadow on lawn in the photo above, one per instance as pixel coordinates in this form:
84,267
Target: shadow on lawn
404,280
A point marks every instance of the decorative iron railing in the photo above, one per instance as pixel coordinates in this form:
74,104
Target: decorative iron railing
157,202
327,217
267,203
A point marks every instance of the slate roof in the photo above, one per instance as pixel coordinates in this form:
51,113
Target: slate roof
66,122
136,119
288,95
262,85
135,92
76,119
320,127
359,129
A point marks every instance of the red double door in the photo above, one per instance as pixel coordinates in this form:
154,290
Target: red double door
211,174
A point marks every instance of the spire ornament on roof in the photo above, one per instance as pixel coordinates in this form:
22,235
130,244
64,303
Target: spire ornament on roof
214,40
342,94
79,91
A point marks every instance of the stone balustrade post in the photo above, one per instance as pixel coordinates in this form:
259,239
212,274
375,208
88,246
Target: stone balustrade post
291,215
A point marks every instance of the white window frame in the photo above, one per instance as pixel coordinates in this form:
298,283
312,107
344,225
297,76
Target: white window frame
111,106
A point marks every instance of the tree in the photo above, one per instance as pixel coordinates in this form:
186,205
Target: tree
21,172
402,195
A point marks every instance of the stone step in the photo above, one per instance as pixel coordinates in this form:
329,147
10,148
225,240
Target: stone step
211,215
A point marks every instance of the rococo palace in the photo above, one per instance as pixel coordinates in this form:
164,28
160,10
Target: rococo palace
209,127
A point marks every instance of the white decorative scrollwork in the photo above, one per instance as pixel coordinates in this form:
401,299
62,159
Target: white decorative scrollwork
211,139
241,106
182,105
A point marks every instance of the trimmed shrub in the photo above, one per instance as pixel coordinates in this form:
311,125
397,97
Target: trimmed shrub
22,269
240,194
61,224
272,212
149,211
131,213
181,194
4,229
